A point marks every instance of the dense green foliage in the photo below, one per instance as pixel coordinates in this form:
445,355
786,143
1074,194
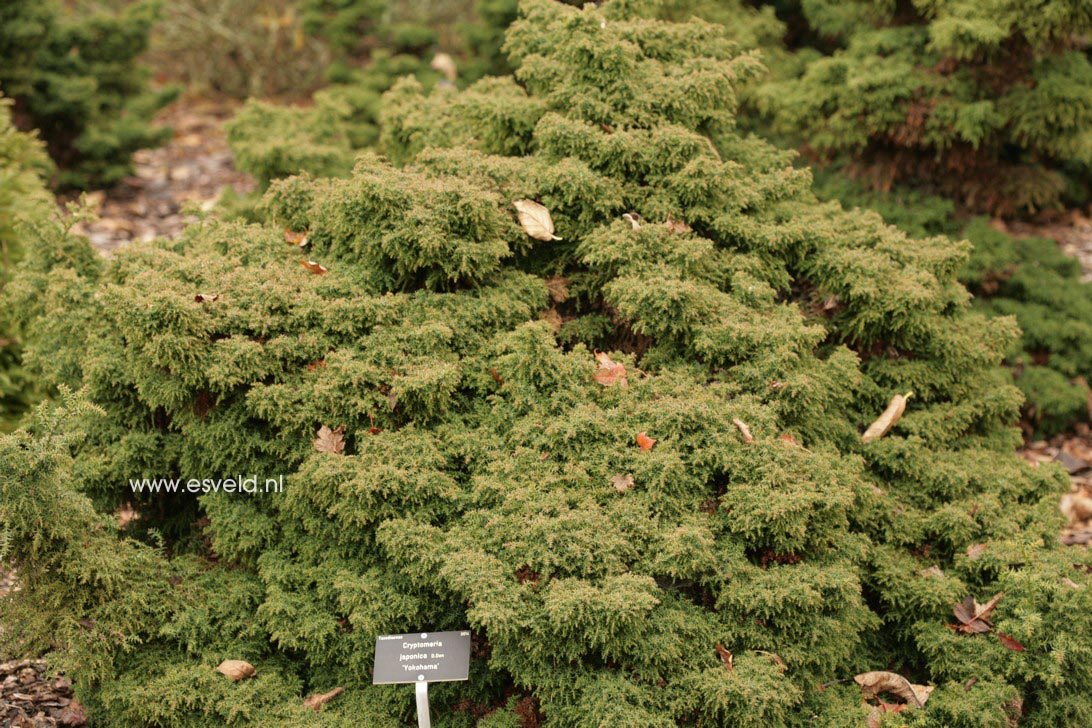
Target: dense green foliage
23,200
1027,278
486,478
987,102
76,79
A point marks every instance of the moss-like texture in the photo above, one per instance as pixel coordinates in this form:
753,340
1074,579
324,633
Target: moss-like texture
492,481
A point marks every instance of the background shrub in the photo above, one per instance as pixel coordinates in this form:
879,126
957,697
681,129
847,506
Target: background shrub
75,78
989,103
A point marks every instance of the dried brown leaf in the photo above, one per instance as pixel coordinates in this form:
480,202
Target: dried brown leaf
975,550
330,440
887,420
633,219
558,288
610,371
725,656
1010,642
535,220
677,227
317,701
744,429
445,64
874,683
622,483
295,238
206,297
316,268
236,670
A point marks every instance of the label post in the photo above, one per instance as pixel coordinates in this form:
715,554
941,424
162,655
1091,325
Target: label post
423,719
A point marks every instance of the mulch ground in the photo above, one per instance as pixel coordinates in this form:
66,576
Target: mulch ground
32,697
194,167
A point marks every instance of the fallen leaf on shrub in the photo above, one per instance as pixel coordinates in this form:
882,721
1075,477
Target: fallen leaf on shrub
645,441
295,238
320,364
874,683
558,288
633,219
445,64
1010,642
609,371
975,550
932,571
744,429
875,716
725,656
887,420
374,430
316,268
622,483
206,297
317,701
775,657
677,226
552,317
1066,581
974,617
496,376
236,669
330,440
535,220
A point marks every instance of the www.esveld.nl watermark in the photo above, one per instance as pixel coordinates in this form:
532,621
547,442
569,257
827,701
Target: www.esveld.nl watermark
235,484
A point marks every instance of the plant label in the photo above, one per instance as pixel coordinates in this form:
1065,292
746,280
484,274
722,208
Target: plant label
421,657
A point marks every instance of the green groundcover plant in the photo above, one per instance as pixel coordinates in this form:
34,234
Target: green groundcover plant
615,430
75,78
988,102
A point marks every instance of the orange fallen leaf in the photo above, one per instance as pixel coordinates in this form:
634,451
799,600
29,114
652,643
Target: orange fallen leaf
645,441
317,701
295,238
316,268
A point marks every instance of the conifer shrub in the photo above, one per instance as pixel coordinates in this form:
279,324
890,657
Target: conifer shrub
621,442
988,103
24,166
1027,278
